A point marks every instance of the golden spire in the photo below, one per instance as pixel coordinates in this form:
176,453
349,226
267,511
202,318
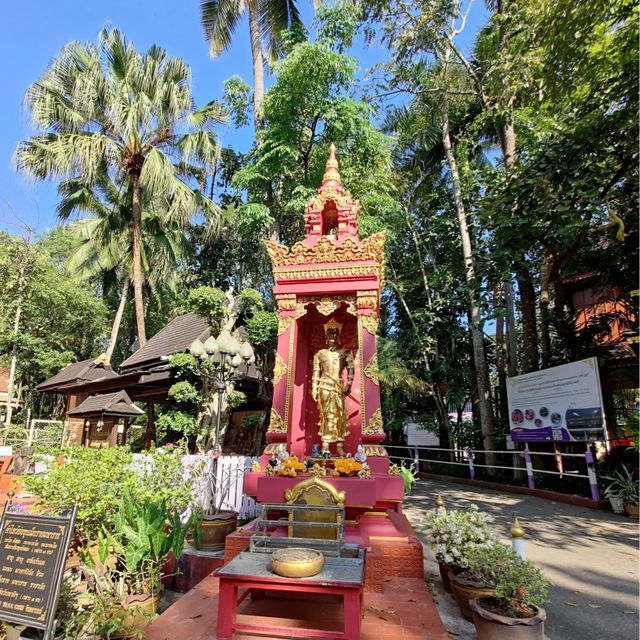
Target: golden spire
331,179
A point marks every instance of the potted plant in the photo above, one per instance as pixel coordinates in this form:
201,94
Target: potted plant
214,520
452,535
623,487
129,585
514,611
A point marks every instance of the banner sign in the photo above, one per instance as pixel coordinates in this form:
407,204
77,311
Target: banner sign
558,404
33,553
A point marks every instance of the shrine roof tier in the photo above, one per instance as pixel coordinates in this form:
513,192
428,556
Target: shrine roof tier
331,251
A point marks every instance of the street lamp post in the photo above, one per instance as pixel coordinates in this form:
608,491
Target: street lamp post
216,351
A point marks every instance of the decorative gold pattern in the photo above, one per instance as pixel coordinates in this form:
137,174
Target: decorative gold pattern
364,473
324,250
370,323
277,424
279,369
363,408
287,399
326,305
372,371
374,426
286,301
284,322
317,471
368,300
318,486
303,273
374,451
271,449
342,200
394,470
255,467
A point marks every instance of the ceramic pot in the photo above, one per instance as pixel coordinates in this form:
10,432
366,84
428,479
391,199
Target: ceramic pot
214,529
445,570
632,510
136,613
492,626
464,590
617,504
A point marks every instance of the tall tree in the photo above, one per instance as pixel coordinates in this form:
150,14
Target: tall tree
108,107
268,20
104,248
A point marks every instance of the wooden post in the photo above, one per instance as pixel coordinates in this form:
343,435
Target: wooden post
151,426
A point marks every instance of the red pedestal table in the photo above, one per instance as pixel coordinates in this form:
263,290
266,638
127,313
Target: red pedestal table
252,571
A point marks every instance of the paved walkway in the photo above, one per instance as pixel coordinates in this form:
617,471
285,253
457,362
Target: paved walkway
590,556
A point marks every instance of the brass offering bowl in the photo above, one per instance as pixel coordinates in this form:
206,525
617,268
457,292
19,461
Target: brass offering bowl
296,562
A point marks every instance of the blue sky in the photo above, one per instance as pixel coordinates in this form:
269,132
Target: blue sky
32,32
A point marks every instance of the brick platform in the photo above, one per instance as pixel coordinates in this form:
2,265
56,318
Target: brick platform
405,610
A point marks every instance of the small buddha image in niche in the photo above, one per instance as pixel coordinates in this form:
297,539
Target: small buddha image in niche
330,224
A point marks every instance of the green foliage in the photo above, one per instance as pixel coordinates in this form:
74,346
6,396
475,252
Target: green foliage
183,391
237,99
99,478
408,475
623,482
250,301
262,329
236,399
518,583
183,365
176,420
208,302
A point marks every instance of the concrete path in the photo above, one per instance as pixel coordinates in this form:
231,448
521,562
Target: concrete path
590,556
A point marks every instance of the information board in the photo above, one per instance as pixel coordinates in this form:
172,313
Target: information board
556,404
33,552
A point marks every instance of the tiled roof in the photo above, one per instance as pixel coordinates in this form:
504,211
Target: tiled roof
174,338
111,404
89,370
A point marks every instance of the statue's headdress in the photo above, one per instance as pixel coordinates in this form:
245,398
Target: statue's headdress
332,324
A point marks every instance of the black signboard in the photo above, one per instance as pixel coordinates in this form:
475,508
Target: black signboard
33,552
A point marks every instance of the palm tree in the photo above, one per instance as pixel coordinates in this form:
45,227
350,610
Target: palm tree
105,248
268,19
108,106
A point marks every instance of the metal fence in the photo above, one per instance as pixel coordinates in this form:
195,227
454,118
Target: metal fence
524,464
38,432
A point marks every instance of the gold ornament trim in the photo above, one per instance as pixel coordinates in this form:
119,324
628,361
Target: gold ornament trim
326,305
279,369
324,250
368,300
276,424
317,471
363,409
374,426
255,467
289,391
394,470
370,323
286,301
374,451
304,273
271,449
371,370
284,322
364,473
330,492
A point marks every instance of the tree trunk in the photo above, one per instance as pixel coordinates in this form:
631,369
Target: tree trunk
545,336
510,330
480,362
14,346
258,64
117,320
529,323
136,232
501,362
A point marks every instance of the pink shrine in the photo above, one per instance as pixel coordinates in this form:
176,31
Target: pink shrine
333,274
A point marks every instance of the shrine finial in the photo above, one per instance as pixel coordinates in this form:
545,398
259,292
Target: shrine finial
331,179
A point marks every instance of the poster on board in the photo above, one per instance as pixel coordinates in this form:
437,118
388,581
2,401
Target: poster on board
562,403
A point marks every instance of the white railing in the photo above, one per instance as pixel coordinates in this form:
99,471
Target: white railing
466,458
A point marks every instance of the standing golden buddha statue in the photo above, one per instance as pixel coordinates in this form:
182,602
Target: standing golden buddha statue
328,387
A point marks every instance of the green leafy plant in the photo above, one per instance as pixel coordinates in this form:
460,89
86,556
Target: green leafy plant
518,583
454,534
622,483
408,475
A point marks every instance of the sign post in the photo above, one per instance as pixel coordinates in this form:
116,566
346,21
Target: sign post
33,553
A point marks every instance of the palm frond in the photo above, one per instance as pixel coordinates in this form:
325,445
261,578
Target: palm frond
219,19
